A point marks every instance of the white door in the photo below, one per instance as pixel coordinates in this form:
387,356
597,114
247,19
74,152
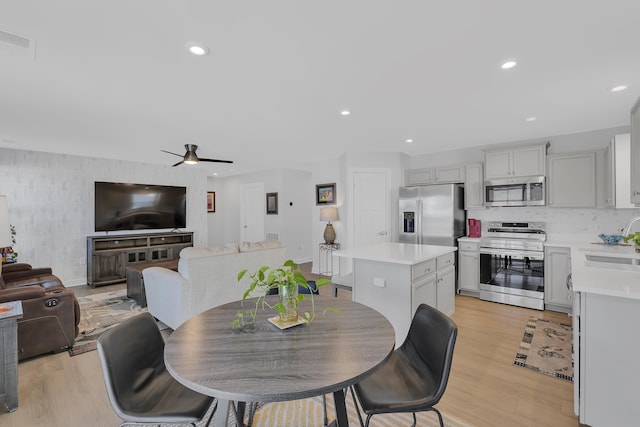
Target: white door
252,212
370,207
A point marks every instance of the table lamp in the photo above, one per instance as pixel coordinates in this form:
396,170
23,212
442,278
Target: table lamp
5,228
329,214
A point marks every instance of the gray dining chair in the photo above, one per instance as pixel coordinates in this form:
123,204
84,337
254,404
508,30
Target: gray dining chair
140,388
415,377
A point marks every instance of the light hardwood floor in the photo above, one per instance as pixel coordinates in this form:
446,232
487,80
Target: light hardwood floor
485,389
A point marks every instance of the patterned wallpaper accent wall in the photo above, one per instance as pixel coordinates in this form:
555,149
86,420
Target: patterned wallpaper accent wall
51,203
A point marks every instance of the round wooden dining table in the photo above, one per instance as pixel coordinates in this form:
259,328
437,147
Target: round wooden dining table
269,364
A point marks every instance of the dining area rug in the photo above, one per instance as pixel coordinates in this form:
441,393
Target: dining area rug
99,313
546,348
308,413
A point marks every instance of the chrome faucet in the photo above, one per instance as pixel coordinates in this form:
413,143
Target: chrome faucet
625,230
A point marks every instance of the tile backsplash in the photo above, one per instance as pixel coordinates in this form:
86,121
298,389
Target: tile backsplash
562,223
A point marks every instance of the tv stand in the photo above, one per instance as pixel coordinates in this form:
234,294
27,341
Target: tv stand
109,256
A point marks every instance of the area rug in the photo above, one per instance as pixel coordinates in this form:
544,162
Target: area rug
308,413
99,313
546,348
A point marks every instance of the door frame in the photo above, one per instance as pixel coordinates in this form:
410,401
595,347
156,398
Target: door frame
351,238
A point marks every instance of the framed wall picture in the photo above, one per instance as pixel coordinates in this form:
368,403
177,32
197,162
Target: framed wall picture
326,194
272,203
211,201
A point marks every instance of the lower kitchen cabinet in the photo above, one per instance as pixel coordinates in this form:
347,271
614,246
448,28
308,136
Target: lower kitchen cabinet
606,377
446,290
557,266
469,266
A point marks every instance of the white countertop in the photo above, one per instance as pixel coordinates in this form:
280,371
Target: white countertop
397,253
604,277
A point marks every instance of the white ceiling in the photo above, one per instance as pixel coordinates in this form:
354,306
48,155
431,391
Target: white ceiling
113,79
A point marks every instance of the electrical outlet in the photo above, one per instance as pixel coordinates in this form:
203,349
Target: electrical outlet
594,227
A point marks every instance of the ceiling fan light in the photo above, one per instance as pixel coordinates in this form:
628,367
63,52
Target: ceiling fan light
190,158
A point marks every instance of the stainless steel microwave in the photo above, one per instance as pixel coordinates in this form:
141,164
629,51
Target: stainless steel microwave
526,191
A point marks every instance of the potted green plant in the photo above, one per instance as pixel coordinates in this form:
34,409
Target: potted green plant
635,239
286,280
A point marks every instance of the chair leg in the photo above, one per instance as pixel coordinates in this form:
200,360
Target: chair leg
355,404
414,419
439,417
325,421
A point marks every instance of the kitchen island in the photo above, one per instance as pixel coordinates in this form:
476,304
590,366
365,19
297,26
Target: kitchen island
606,283
394,278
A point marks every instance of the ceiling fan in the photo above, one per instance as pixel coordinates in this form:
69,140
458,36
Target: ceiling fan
191,158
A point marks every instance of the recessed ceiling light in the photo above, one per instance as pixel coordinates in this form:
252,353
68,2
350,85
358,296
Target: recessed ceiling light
509,64
409,141
619,88
197,49
215,174
530,119
345,112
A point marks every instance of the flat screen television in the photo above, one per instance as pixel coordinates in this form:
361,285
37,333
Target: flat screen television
122,206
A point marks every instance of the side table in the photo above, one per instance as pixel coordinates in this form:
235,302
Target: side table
326,249
10,312
135,282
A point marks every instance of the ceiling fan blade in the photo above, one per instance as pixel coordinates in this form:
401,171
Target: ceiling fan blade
215,160
169,152
179,163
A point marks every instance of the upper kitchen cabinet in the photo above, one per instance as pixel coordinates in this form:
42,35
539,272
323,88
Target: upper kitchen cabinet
572,180
474,186
617,172
443,175
635,153
514,162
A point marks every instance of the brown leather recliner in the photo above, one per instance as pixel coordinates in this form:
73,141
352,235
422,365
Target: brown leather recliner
51,313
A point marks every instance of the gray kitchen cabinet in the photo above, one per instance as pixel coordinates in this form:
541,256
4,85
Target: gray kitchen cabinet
424,291
529,160
617,172
557,266
572,180
635,153
446,290
441,175
469,266
474,186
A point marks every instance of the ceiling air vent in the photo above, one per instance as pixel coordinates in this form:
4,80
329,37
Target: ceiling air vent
15,45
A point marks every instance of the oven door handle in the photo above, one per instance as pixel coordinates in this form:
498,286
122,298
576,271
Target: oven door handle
536,256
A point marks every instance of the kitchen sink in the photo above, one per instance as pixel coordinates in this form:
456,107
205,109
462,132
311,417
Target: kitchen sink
620,259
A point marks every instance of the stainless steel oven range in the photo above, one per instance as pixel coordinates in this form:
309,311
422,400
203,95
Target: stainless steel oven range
512,263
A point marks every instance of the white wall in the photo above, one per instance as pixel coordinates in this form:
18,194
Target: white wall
295,201
51,203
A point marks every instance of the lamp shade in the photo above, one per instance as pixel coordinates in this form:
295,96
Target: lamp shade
328,214
5,230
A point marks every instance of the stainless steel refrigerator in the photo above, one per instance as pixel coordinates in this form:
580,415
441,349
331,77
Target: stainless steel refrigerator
432,214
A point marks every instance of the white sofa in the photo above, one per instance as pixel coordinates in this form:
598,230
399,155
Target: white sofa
206,278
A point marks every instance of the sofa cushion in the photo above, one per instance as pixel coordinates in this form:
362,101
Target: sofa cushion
193,252
260,246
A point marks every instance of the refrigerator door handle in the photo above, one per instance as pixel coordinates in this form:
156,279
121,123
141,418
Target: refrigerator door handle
419,222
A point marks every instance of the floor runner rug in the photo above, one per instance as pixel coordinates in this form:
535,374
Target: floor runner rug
308,413
546,348
101,312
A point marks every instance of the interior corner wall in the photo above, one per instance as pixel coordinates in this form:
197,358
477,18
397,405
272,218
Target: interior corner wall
51,203
292,222
215,220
